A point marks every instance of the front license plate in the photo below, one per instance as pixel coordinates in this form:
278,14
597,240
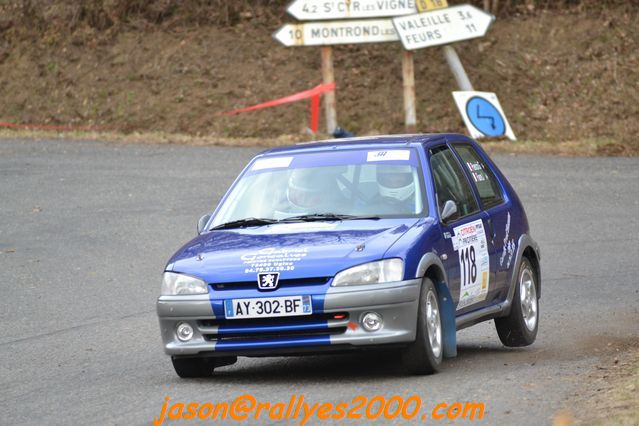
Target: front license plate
268,307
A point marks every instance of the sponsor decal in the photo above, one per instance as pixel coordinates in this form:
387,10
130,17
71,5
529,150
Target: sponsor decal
391,155
272,259
477,171
509,246
469,241
287,228
272,163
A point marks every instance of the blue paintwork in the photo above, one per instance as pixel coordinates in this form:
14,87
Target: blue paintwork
284,342
329,250
217,256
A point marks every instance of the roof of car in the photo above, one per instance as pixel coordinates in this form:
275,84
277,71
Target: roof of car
408,139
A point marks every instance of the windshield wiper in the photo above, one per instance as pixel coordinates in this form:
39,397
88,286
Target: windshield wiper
317,217
244,223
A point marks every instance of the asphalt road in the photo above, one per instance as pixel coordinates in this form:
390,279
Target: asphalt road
86,227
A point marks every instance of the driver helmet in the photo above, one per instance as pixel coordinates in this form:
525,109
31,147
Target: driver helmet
395,181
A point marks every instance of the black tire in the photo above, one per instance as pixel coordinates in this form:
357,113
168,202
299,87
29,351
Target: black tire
193,367
419,357
513,330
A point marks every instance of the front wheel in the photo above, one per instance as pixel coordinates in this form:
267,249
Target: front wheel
424,355
520,327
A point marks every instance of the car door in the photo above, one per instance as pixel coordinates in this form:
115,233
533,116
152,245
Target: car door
493,204
464,248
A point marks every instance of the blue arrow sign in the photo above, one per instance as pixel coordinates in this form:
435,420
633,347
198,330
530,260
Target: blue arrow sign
485,117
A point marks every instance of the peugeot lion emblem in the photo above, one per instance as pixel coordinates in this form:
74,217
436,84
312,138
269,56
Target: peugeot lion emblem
268,280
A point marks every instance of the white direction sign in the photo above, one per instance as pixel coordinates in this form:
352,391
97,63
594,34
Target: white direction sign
310,10
338,32
443,26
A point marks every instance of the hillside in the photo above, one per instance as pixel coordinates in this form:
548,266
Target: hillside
561,74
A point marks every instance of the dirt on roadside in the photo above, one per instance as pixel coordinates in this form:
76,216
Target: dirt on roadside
561,75
610,395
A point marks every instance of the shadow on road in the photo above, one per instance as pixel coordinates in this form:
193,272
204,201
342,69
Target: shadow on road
360,367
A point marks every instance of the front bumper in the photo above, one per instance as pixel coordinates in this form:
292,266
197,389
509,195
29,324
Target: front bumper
397,303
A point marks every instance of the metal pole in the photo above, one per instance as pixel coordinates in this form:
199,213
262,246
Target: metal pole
329,97
457,69
408,73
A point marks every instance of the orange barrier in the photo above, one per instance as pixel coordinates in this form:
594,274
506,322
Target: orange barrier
315,93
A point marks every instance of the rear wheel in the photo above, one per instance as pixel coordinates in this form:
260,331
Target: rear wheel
424,355
191,367
520,327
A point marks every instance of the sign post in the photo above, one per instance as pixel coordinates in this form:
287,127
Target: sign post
408,71
329,98
408,75
326,34
455,65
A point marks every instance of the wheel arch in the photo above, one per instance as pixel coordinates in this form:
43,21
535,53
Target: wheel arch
431,267
526,247
533,258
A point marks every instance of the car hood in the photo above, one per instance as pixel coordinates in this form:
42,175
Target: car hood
296,250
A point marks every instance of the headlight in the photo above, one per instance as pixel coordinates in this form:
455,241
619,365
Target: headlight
176,284
384,271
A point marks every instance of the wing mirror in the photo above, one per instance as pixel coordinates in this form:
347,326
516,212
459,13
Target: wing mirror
201,224
449,210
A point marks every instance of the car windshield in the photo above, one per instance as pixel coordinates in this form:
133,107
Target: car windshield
356,183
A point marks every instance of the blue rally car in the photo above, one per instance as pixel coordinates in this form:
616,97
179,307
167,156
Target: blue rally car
378,242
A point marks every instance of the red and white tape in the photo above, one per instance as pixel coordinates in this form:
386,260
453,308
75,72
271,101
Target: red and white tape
314,94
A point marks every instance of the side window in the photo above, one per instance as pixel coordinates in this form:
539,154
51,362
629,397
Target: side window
486,182
451,182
